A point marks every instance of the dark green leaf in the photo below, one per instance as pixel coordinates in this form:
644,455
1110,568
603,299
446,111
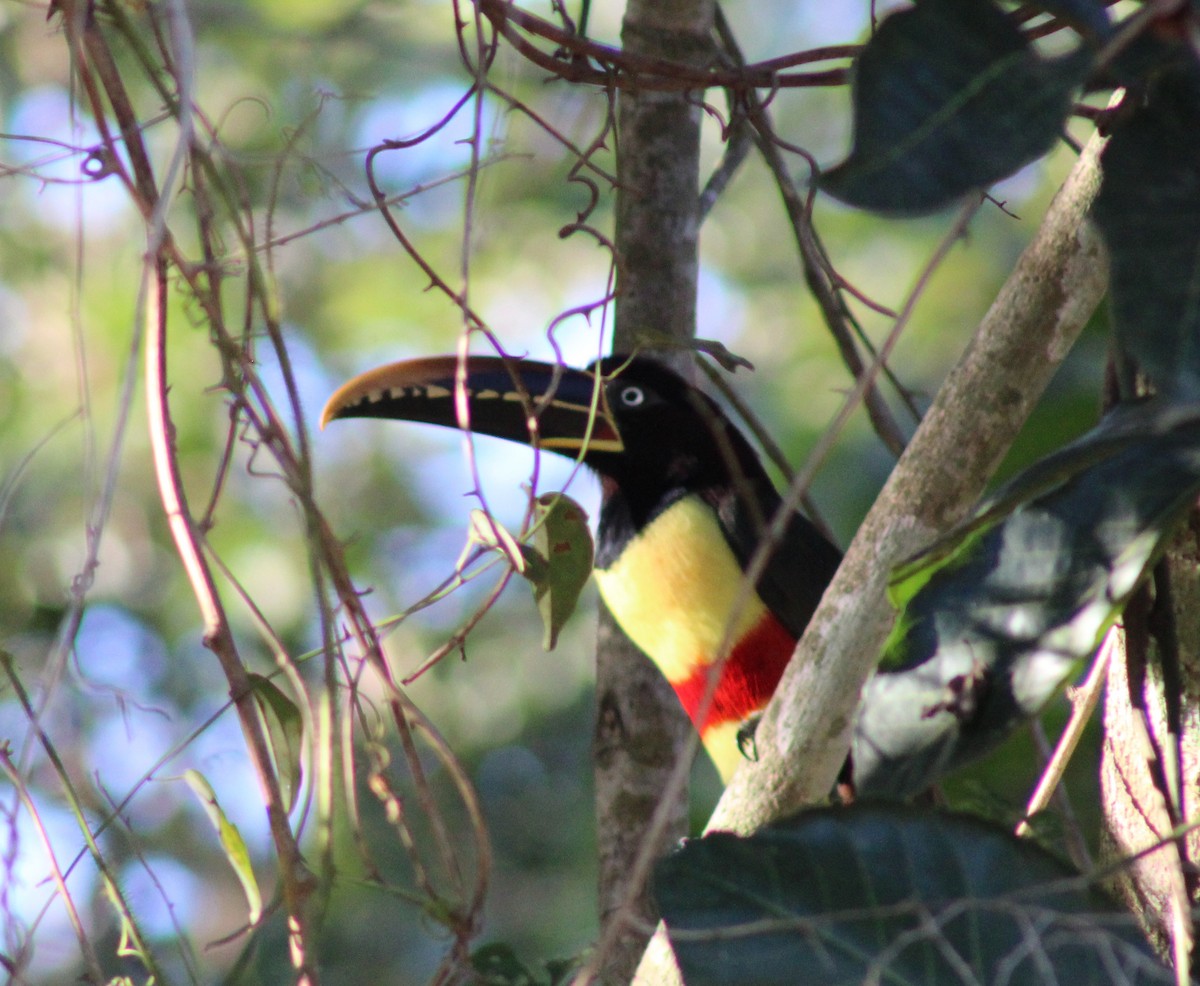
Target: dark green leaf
1000,613
285,735
890,895
1088,17
1149,212
949,98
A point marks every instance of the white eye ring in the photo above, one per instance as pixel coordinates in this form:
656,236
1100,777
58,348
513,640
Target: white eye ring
632,396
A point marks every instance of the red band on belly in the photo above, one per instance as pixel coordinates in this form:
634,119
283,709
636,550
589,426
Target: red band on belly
748,679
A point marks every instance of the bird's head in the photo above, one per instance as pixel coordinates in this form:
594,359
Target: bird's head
632,420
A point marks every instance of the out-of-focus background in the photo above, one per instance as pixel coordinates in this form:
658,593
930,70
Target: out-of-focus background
296,94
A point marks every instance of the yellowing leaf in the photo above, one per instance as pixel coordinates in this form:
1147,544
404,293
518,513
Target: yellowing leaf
559,560
231,841
489,533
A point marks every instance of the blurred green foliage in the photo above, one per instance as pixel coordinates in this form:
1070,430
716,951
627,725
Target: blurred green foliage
295,95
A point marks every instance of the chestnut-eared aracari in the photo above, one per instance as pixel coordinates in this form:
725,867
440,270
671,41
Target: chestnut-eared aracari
685,504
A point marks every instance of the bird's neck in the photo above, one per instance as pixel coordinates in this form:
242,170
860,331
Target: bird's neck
624,515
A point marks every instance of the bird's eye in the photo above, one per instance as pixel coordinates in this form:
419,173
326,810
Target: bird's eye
632,396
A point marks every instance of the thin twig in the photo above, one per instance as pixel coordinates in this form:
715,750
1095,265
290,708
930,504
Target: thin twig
817,270
1083,704
574,56
60,881
136,942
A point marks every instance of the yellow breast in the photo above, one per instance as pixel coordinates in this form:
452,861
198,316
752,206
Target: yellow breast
674,589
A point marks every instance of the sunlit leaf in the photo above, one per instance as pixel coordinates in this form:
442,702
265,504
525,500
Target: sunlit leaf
490,534
231,841
890,895
997,616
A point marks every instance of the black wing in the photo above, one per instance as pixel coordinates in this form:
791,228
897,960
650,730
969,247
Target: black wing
800,567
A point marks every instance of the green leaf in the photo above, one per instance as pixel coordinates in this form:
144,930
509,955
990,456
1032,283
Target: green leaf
1148,210
559,561
1002,611
948,99
231,841
1110,438
285,735
888,894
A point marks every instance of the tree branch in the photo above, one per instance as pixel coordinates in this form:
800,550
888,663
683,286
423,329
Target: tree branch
642,733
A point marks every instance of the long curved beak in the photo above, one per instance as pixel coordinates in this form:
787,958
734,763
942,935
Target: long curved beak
551,406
